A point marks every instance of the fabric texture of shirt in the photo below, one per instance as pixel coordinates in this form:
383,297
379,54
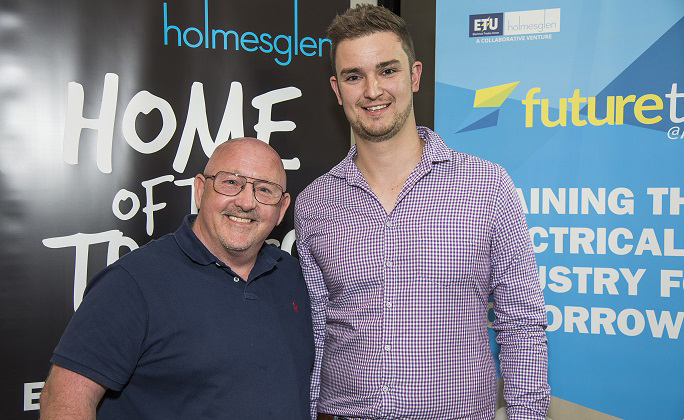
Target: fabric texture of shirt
174,333
400,300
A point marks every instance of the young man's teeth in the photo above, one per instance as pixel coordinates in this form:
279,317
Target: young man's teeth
239,219
375,108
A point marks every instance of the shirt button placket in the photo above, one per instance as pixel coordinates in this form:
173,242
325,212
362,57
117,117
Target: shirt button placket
390,263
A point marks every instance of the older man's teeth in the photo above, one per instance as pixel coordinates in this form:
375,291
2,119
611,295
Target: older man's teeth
239,219
377,107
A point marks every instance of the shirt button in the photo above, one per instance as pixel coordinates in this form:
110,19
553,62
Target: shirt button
388,304
236,279
388,263
388,347
389,223
385,388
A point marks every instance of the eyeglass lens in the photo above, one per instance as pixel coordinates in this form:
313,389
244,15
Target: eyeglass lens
231,184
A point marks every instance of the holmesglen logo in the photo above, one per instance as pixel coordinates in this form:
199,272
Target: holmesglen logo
286,46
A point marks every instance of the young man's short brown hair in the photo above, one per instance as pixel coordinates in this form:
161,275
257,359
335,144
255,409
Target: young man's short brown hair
366,19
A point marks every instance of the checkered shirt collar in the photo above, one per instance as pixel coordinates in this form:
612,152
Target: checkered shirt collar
435,151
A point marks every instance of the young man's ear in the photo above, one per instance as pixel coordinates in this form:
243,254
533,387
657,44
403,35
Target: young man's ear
416,71
336,88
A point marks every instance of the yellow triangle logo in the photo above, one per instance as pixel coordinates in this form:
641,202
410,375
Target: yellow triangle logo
494,96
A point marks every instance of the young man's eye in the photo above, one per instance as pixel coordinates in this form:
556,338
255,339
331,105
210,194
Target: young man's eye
352,78
389,71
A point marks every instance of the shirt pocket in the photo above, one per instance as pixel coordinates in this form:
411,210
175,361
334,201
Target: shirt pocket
447,254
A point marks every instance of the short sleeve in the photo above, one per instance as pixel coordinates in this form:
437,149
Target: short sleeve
105,337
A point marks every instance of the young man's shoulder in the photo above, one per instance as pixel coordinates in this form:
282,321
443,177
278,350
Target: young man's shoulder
326,186
471,162
440,151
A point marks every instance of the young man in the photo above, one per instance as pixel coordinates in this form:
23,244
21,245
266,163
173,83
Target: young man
208,322
402,244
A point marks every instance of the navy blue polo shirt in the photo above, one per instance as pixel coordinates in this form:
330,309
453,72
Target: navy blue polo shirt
172,332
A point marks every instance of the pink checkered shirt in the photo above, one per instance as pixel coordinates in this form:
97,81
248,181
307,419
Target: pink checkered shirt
400,301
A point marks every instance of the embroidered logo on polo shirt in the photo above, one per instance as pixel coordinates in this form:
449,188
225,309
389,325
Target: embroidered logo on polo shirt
294,306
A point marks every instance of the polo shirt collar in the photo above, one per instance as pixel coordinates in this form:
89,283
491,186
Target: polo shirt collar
267,258
190,243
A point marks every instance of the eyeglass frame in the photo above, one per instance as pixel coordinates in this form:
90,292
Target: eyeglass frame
253,180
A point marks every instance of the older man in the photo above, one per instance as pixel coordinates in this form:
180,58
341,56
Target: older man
402,244
207,322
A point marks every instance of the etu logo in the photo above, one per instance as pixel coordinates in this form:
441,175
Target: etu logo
486,25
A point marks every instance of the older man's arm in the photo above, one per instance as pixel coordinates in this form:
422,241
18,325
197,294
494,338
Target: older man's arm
68,395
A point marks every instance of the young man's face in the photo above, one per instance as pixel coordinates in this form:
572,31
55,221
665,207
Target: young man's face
374,83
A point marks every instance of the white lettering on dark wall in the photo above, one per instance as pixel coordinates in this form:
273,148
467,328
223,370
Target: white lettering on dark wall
232,124
114,239
127,204
32,395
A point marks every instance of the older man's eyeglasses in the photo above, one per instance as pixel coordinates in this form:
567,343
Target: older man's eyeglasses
230,184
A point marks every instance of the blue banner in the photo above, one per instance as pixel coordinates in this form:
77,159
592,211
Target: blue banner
583,103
